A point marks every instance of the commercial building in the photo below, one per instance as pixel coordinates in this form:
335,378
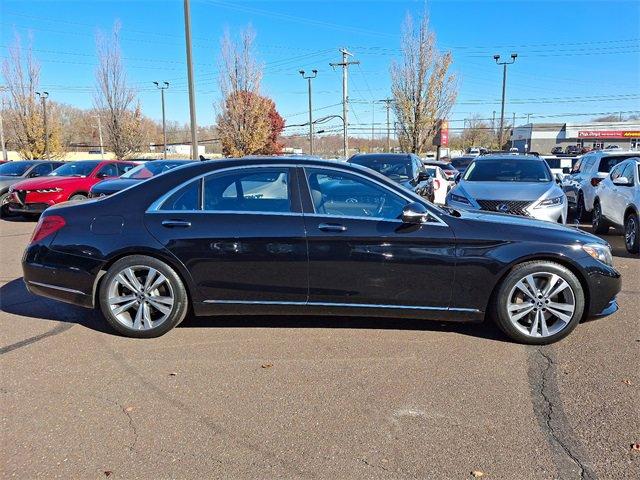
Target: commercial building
543,137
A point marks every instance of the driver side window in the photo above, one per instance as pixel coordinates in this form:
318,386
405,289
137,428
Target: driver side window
342,194
109,170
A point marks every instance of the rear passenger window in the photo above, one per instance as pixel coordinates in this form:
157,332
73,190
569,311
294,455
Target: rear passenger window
185,199
248,190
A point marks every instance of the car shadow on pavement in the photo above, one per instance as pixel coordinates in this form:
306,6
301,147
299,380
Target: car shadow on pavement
16,300
21,219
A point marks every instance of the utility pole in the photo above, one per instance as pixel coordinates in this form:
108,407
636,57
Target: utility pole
5,157
513,126
100,136
192,90
43,96
388,102
345,95
308,78
504,86
528,115
162,88
373,122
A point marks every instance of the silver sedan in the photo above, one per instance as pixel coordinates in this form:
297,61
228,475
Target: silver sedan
517,185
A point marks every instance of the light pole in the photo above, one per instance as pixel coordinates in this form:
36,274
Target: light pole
162,88
43,97
100,136
504,86
192,88
5,157
308,78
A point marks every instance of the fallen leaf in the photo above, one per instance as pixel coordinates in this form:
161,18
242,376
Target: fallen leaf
626,382
128,409
107,473
267,365
477,473
173,374
635,446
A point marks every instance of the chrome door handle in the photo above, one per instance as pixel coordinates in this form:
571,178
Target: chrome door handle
176,223
332,227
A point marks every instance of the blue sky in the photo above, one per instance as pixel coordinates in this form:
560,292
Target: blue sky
575,57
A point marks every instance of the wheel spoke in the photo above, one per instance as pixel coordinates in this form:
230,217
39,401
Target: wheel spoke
158,281
150,277
525,289
123,308
162,304
137,321
543,325
146,315
557,313
523,313
562,286
131,276
120,278
552,282
519,306
565,307
119,300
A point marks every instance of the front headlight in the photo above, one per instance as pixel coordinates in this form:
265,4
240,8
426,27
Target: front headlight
599,252
459,198
49,190
551,202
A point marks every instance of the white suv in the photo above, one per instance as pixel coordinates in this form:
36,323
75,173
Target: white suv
588,172
617,202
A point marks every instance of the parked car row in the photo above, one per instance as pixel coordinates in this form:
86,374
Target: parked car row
291,235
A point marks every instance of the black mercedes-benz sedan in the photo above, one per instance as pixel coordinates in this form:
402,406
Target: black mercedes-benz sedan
305,236
404,168
138,174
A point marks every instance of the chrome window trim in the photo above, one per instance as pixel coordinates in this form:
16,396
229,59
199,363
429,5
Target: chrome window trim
438,221
56,287
155,206
332,304
230,212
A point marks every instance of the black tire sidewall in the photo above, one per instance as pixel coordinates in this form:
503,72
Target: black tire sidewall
636,247
181,303
597,222
4,209
501,298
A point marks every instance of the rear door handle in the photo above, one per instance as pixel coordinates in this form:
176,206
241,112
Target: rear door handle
332,227
176,223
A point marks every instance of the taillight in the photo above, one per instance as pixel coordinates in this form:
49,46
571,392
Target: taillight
436,184
595,181
47,226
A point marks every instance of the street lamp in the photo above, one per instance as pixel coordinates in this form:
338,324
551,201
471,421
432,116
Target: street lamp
314,74
162,88
43,96
504,83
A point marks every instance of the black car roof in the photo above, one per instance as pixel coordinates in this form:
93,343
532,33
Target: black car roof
506,156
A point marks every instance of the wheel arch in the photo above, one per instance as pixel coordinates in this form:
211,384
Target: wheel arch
79,192
631,208
560,260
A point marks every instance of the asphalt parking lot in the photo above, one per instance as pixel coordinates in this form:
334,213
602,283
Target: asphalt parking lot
312,397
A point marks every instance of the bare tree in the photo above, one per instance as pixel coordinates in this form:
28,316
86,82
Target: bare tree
24,117
115,100
245,122
423,88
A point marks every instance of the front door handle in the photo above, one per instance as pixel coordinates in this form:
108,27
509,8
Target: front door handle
332,227
176,223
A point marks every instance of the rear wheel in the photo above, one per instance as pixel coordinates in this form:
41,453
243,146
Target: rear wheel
631,233
598,223
142,297
4,208
78,196
538,303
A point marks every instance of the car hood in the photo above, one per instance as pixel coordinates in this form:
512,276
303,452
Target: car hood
112,186
524,191
46,182
7,180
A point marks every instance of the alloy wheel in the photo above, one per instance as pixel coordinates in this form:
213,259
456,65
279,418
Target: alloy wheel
541,304
140,297
631,232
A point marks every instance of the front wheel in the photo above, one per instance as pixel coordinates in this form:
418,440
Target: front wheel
538,303
631,233
77,196
598,223
142,297
4,207
581,211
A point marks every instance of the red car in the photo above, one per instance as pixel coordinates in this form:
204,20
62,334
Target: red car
71,181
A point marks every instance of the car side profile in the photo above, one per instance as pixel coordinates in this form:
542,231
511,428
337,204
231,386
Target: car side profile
16,171
285,236
617,203
588,172
71,181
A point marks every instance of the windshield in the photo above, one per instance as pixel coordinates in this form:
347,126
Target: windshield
150,169
507,170
14,169
461,162
397,168
74,169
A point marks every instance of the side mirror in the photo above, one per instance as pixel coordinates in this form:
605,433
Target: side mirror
566,170
622,181
457,177
34,174
101,175
422,176
558,178
414,213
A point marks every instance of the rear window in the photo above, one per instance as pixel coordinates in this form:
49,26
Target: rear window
608,162
461,162
553,162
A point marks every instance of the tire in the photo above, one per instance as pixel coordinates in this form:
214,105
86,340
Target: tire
581,212
78,196
4,209
598,223
632,233
144,312
538,324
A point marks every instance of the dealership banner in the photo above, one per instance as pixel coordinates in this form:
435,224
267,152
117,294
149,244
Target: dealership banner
609,134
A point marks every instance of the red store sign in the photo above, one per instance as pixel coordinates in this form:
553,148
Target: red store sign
609,134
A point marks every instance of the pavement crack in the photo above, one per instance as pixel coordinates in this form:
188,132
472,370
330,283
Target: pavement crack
567,455
60,328
132,424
